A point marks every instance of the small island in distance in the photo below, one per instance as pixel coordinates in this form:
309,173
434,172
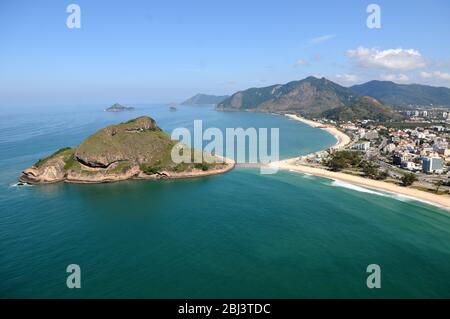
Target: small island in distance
119,108
137,149
172,106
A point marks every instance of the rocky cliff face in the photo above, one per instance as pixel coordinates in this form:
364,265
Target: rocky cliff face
52,171
135,149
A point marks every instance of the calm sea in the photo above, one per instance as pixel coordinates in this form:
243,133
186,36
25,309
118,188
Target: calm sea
241,234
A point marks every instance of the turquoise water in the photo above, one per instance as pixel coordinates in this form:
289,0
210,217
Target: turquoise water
241,234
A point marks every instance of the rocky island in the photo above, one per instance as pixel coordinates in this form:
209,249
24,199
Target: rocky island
119,108
137,149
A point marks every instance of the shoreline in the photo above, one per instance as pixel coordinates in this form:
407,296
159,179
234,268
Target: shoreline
136,174
440,201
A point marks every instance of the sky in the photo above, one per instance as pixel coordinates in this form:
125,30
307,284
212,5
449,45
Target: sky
166,51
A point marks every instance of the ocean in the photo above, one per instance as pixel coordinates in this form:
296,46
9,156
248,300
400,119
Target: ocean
237,235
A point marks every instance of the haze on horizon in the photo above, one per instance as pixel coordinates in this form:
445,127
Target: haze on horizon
140,51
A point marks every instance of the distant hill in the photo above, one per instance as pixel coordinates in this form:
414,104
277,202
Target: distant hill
119,108
310,96
402,95
365,108
205,99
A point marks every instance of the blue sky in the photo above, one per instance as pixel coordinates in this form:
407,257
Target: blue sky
162,51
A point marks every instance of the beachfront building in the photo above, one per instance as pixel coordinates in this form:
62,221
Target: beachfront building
432,165
364,146
349,127
410,166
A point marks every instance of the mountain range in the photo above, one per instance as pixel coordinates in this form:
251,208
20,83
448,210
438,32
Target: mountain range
310,96
403,95
320,97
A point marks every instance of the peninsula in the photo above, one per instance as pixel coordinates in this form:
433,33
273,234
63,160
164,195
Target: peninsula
137,149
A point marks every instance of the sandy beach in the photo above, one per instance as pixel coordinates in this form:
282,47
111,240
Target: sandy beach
442,201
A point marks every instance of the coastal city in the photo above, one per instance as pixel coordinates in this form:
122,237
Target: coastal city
414,152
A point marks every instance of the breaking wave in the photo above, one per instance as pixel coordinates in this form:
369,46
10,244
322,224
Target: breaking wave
19,184
303,174
400,197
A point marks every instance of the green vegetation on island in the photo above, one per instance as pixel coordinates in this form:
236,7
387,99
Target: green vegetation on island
135,149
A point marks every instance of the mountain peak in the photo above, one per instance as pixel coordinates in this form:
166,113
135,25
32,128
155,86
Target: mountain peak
307,96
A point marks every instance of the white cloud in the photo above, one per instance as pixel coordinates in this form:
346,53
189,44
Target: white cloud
322,38
347,78
395,77
426,75
442,75
300,62
436,74
393,59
